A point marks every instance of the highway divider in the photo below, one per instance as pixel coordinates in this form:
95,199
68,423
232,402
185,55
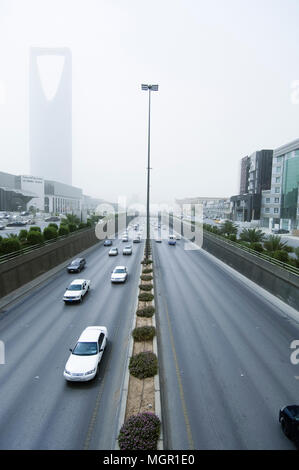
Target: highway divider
140,426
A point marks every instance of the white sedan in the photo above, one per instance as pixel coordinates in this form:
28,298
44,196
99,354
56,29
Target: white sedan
82,364
76,290
119,274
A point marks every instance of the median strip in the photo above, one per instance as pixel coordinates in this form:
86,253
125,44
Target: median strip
140,415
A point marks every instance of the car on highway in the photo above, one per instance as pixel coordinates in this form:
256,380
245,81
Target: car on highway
76,290
107,242
125,238
289,420
158,240
83,362
113,252
76,265
127,250
119,274
136,239
171,240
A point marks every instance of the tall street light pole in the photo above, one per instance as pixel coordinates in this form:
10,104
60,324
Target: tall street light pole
148,88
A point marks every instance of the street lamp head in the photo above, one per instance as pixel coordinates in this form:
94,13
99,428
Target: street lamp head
149,87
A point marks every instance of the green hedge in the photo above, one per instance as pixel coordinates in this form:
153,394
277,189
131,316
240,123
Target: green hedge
146,311
144,333
143,365
145,296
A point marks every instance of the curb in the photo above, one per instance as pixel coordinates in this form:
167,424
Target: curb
125,389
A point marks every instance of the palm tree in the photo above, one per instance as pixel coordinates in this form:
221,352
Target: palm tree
274,243
11,235
252,235
228,228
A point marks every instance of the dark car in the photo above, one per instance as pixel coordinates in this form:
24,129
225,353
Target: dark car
283,230
77,265
289,420
107,242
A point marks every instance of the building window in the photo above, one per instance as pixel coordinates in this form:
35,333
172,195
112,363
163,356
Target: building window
277,179
268,200
276,200
267,209
278,159
277,190
278,169
276,210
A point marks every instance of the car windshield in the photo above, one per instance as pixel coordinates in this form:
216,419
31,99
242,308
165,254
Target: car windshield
74,263
75,287
119,270
127,248
85,349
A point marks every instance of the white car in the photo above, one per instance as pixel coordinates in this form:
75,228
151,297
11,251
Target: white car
82,364
113,252
125,238
119,274
76,290
127,250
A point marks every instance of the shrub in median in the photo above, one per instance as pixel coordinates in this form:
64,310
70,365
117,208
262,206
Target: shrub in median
140,432
146,261
145,297
146,311
147,270
146,277
144,333
143,365
146,287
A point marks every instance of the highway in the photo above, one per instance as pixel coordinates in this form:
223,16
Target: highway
224,354
39,409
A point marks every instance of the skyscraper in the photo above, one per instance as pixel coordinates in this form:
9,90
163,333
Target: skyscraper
50,120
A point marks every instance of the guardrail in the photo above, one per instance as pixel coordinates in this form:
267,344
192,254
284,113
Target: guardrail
29,249
255,253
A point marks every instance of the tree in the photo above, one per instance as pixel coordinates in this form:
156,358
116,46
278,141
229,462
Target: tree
63,230
252,235
35,237
70,219
10,244
23,235
274,243
228,228
53,225
50,233
35,228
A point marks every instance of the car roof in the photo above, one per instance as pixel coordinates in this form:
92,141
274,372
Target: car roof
120,267
77,281
77,260
91,333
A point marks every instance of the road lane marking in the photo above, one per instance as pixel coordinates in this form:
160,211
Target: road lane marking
181,390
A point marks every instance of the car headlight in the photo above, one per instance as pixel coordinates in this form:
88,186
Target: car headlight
67,372
90,371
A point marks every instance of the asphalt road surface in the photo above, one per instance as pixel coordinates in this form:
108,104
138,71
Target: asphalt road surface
224,353
38,408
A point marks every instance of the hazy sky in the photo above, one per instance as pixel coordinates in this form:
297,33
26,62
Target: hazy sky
225,70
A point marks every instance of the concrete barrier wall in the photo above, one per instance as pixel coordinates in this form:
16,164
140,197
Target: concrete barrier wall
16,272
24,268
280,282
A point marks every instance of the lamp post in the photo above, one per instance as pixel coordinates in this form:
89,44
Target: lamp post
148,88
